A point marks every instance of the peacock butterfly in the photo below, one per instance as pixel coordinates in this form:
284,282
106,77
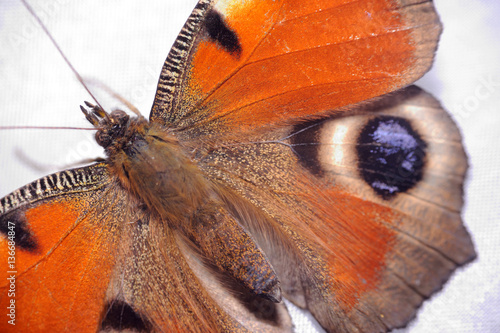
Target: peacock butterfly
358,236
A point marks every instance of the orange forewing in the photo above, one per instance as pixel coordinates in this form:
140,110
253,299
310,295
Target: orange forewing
299,60
62,214
68,273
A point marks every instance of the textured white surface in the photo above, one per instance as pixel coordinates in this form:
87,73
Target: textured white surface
123,44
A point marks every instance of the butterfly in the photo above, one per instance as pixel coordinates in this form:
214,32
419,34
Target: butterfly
285,155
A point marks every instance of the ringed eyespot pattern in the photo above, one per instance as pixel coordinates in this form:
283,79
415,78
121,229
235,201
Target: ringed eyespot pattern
287,155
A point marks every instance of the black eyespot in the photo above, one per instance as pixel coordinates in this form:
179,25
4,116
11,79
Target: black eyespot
391,155
220,33
120,316
15,229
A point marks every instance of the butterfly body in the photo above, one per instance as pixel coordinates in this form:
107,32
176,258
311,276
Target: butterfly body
270,166
151,163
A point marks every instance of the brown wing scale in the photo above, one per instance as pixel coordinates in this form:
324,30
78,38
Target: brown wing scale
347,251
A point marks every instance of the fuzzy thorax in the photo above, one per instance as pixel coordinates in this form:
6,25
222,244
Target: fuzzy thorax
153,165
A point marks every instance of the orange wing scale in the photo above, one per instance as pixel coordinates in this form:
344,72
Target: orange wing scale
67,276
337,52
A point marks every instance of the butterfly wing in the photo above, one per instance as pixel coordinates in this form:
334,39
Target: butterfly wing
59,250
234,61
358,236
359,215
85,257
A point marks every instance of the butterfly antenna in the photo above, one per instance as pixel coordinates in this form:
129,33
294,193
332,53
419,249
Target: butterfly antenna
46,127
44,28
114,94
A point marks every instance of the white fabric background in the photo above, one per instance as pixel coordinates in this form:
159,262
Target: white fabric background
123,44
